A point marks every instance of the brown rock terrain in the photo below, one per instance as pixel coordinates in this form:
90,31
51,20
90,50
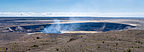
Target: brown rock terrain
70,41
112,41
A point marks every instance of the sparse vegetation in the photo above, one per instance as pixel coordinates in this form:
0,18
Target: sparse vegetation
128,50
57,49
102,41
34,46
71,39
76,43
37,37
98,47
139,42
15,38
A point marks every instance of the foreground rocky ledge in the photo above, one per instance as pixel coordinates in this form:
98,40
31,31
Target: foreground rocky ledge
112,41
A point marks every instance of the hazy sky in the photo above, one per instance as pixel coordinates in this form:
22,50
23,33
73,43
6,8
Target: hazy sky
71,5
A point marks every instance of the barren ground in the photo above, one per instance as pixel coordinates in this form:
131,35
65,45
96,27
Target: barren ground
130,40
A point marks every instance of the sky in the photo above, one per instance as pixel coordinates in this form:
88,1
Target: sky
74,6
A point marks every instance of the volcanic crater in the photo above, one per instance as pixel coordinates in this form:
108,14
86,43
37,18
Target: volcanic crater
88,27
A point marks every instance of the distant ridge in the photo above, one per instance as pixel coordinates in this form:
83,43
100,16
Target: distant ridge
69,14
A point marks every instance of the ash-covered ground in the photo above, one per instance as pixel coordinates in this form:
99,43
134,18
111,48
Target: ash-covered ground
71,34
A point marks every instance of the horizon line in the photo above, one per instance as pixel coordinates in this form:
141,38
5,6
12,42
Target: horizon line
71,14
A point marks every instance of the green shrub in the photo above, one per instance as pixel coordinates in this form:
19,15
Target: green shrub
98,47
57,49
34,46
37,37
128,50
